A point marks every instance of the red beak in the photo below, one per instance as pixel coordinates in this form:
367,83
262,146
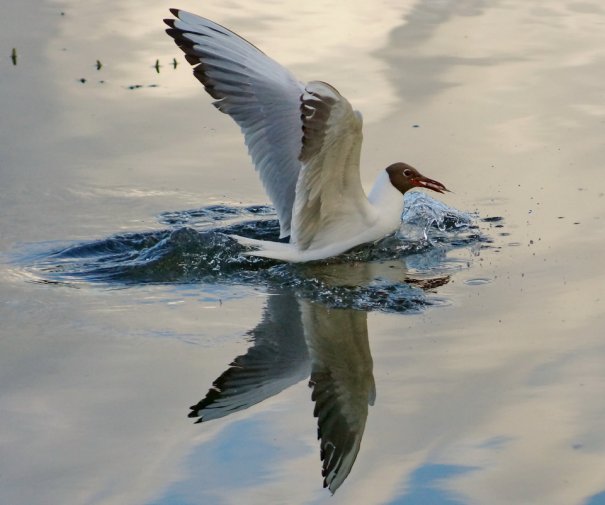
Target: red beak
425,182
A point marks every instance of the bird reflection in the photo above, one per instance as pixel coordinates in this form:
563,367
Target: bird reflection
296,339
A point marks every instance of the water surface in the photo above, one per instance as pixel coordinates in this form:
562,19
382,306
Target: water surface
478,350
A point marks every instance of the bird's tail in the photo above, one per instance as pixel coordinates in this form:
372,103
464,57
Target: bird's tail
267,248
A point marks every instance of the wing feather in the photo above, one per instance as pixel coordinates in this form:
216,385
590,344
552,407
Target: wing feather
258,93
330,201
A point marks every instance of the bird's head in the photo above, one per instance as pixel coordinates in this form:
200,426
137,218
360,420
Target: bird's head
405,177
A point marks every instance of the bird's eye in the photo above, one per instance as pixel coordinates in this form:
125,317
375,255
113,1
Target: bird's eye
407,172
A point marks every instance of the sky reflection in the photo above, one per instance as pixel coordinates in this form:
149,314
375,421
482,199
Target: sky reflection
494,396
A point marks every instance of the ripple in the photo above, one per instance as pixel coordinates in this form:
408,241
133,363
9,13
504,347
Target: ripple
479,281
394,274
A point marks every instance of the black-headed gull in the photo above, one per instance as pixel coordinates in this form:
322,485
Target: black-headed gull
305,141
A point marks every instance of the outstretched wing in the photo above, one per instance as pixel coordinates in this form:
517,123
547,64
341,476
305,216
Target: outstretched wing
258,93
330,201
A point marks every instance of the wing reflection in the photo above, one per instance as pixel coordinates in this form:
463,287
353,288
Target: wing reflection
277,359
296,339
342,382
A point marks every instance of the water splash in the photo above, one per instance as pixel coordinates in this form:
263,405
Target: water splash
392,274
422,212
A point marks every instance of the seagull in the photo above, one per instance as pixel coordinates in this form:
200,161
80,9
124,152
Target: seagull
305,142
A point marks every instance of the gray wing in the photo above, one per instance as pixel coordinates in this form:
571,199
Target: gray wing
342,382
277,359
329,195
257,92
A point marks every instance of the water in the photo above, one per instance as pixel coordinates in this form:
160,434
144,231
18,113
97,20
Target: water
197,248
459,361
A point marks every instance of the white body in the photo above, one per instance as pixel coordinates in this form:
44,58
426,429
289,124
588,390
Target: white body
385,217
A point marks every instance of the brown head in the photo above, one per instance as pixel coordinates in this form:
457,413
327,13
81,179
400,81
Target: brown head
405,177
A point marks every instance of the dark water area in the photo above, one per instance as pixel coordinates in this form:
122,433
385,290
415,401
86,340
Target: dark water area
198,248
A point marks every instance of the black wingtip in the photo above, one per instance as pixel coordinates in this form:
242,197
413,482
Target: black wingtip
192,60
183,42
175,12
173,32
169,22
